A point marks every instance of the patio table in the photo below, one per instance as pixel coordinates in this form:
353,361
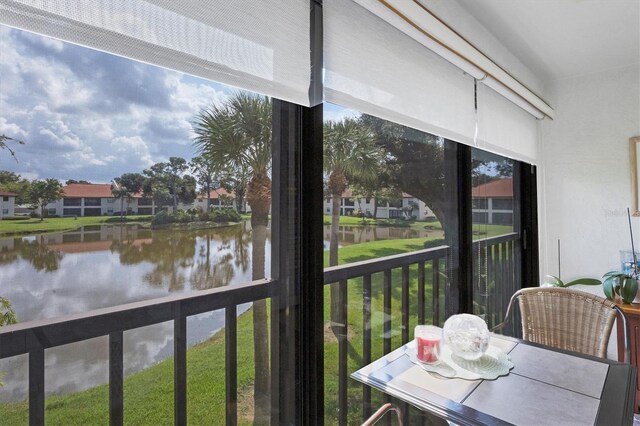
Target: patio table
546,386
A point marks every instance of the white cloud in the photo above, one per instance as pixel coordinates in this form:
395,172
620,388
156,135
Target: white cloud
133,150
100,127
89,115
11,129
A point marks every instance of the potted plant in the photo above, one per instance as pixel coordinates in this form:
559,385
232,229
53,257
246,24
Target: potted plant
624,285
554,281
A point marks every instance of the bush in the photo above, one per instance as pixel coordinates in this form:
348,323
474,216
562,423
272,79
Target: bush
16,218
434,243
225,215
162,218
34,215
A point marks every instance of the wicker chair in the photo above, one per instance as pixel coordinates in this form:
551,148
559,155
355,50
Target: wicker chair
568,319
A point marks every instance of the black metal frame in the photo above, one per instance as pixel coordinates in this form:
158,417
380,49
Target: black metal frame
526,212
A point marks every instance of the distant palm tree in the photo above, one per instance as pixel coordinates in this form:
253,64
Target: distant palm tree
349,150
123,193
237,135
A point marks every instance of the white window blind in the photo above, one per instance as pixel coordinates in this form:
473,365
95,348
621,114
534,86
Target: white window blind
374,68
378,63
261,46
504,128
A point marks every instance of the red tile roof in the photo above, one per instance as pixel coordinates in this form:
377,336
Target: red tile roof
215,194
91,190
501,188
7,193
77,190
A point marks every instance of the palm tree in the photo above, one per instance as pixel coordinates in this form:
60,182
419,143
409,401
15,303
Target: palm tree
349,150
121,192
237,134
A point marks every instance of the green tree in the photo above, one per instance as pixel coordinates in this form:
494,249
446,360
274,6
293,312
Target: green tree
349,151
72,181
205,174
186,191
415,161
166,180
43,192
123,194
237,134
7,314
13,182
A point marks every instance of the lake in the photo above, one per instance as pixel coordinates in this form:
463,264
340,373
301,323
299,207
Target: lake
108,265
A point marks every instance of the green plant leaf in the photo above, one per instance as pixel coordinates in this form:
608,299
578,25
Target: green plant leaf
555,281
583,281
613,274
608,287
628,290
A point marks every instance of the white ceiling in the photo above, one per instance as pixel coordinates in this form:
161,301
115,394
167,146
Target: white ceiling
556,39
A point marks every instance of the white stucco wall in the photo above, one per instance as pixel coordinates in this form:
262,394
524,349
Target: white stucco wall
584,179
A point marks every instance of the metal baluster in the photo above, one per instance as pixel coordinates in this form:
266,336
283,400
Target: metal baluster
366,342
231,365
405,304
36,386
420,292
435,292
179,368
116,377
387,311
342,353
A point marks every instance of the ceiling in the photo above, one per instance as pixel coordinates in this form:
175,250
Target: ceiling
557,39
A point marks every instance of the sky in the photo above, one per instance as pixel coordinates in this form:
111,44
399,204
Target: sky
85,114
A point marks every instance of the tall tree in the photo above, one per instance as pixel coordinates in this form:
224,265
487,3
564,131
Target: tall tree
125,187
43,192
123,194
415,161
236,180
237,134
205,174
165,181
12,182
349,150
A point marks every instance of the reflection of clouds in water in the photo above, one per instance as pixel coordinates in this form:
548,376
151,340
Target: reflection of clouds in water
85,280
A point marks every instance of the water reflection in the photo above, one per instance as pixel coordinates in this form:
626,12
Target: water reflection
95,267
101,266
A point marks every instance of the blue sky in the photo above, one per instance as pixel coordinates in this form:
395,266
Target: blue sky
85,114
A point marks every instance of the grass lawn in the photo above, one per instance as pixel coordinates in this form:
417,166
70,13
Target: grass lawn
37,226
479,230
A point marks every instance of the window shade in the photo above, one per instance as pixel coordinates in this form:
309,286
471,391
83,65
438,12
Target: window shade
378,63
373,67
504,128
261,46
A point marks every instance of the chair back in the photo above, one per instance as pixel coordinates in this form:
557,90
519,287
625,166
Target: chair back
566,319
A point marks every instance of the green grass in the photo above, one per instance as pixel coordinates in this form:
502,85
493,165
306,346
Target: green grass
37,226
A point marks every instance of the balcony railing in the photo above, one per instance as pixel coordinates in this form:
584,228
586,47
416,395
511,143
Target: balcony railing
400,274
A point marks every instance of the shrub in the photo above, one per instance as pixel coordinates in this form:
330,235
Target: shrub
225,215
162,218
16,218
182,216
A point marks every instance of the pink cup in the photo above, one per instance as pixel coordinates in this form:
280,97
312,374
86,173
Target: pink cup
428,343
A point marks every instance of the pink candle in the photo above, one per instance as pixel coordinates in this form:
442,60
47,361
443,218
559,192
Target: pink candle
428,344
